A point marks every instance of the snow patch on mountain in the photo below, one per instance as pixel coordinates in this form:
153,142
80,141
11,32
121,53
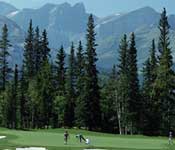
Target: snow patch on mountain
117,14
12,14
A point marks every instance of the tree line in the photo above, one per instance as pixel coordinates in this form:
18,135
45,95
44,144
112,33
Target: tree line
47,94
44,94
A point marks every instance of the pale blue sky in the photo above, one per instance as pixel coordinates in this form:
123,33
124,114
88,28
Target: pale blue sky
102,7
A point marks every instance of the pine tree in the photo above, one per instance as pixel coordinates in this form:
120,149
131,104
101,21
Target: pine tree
15,98
164,31
123,52
122,87
4,54
91,84
80,102
153,61
45,94
44,46
70,88
60,66
23,101
149,72
164,83
29,60
8,97
108,103
133,98
60,81
12,99
37,50
147,79
149,76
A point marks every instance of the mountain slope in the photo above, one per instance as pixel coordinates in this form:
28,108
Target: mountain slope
144,22
63,22
66,23
6,8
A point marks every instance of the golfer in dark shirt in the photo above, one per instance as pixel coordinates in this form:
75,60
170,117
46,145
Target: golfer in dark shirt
80,136
66,135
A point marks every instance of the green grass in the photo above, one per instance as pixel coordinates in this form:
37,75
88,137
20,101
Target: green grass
53,140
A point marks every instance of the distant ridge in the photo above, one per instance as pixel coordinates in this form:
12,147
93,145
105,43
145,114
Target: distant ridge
66,23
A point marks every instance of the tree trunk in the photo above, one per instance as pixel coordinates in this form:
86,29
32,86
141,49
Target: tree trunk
131,130
119,123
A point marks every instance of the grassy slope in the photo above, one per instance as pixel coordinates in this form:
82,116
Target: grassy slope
53,140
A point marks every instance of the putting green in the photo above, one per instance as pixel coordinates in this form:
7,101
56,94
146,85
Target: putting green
53,140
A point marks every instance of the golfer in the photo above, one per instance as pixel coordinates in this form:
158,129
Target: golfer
170,137
66,135
80,136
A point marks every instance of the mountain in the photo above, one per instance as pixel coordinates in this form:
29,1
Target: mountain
129,22
66,23
6,8
141,21
144,22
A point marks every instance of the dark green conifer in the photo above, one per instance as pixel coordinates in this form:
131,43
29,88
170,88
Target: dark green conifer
80,102
71,90
134,100
4,54
92,93
29,60
60,69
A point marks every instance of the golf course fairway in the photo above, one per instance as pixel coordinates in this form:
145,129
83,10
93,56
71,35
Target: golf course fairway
53,139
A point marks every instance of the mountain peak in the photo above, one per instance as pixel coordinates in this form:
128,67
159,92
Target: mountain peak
48,5
80,6
6,8
6,4
66,5
146,9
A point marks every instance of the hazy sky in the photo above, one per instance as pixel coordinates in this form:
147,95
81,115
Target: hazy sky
102,7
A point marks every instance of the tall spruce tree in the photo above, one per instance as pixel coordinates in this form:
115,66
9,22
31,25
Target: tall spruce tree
45,94
15,97
164,83
37,50
108,103
133,98
23,101
44,46
80,101
12,99
122,87
5,71
70,90
29,57
60,81
149,76
8,97
60,69
91,84
153,61
149,72
164,31
4,54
